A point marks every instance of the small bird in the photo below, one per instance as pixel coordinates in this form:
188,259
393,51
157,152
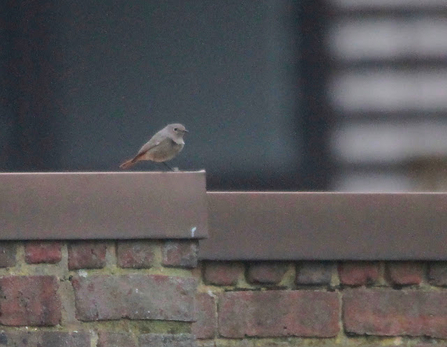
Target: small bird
163,146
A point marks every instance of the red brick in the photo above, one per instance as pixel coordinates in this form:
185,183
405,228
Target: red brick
405,273
164,340
37,252
266,272
136,296
7,254
86,255
29,300
278,313
180,253
44,339
358,273
222,273
111,339
206,324
437,273
314,273
135,254
389,312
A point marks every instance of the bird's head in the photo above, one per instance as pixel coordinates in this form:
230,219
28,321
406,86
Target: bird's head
176,130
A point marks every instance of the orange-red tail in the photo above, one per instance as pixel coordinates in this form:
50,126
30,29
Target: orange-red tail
127,164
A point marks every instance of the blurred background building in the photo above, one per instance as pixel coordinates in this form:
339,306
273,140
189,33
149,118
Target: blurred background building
388,91
277,94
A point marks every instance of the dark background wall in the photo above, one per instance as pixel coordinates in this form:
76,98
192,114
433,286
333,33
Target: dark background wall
87,83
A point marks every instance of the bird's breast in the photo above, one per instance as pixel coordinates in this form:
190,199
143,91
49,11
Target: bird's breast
165,151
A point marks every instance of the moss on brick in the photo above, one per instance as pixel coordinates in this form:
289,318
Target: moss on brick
139,326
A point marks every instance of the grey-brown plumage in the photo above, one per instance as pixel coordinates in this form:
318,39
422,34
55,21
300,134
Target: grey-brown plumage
163,146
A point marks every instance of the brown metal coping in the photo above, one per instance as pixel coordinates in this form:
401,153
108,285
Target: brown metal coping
103,205
242,225
326,226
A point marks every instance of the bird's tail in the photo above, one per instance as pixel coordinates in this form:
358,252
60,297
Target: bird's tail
127,164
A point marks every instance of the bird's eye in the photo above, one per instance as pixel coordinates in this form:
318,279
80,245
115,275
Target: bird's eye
175,129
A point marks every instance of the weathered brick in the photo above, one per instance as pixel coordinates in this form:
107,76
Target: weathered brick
180,253
358,273
236,343
136,296
44,339
404,273
7,254
266,272
314,273
437,273
167,340
389,312
209,343
112,339
222,273
29,300
206,324
270,343
135,254
321,343
37,252
278,313
86,255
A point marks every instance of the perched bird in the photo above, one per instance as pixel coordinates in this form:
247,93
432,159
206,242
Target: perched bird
163,146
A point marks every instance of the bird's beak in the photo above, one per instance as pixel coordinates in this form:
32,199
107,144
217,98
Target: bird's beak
185,131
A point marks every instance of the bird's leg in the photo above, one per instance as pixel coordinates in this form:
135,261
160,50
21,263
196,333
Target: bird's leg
170,168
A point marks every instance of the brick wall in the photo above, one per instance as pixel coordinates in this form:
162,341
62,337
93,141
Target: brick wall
97,294
156,293
279,304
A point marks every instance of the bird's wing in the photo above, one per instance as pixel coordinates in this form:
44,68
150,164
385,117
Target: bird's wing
152,143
